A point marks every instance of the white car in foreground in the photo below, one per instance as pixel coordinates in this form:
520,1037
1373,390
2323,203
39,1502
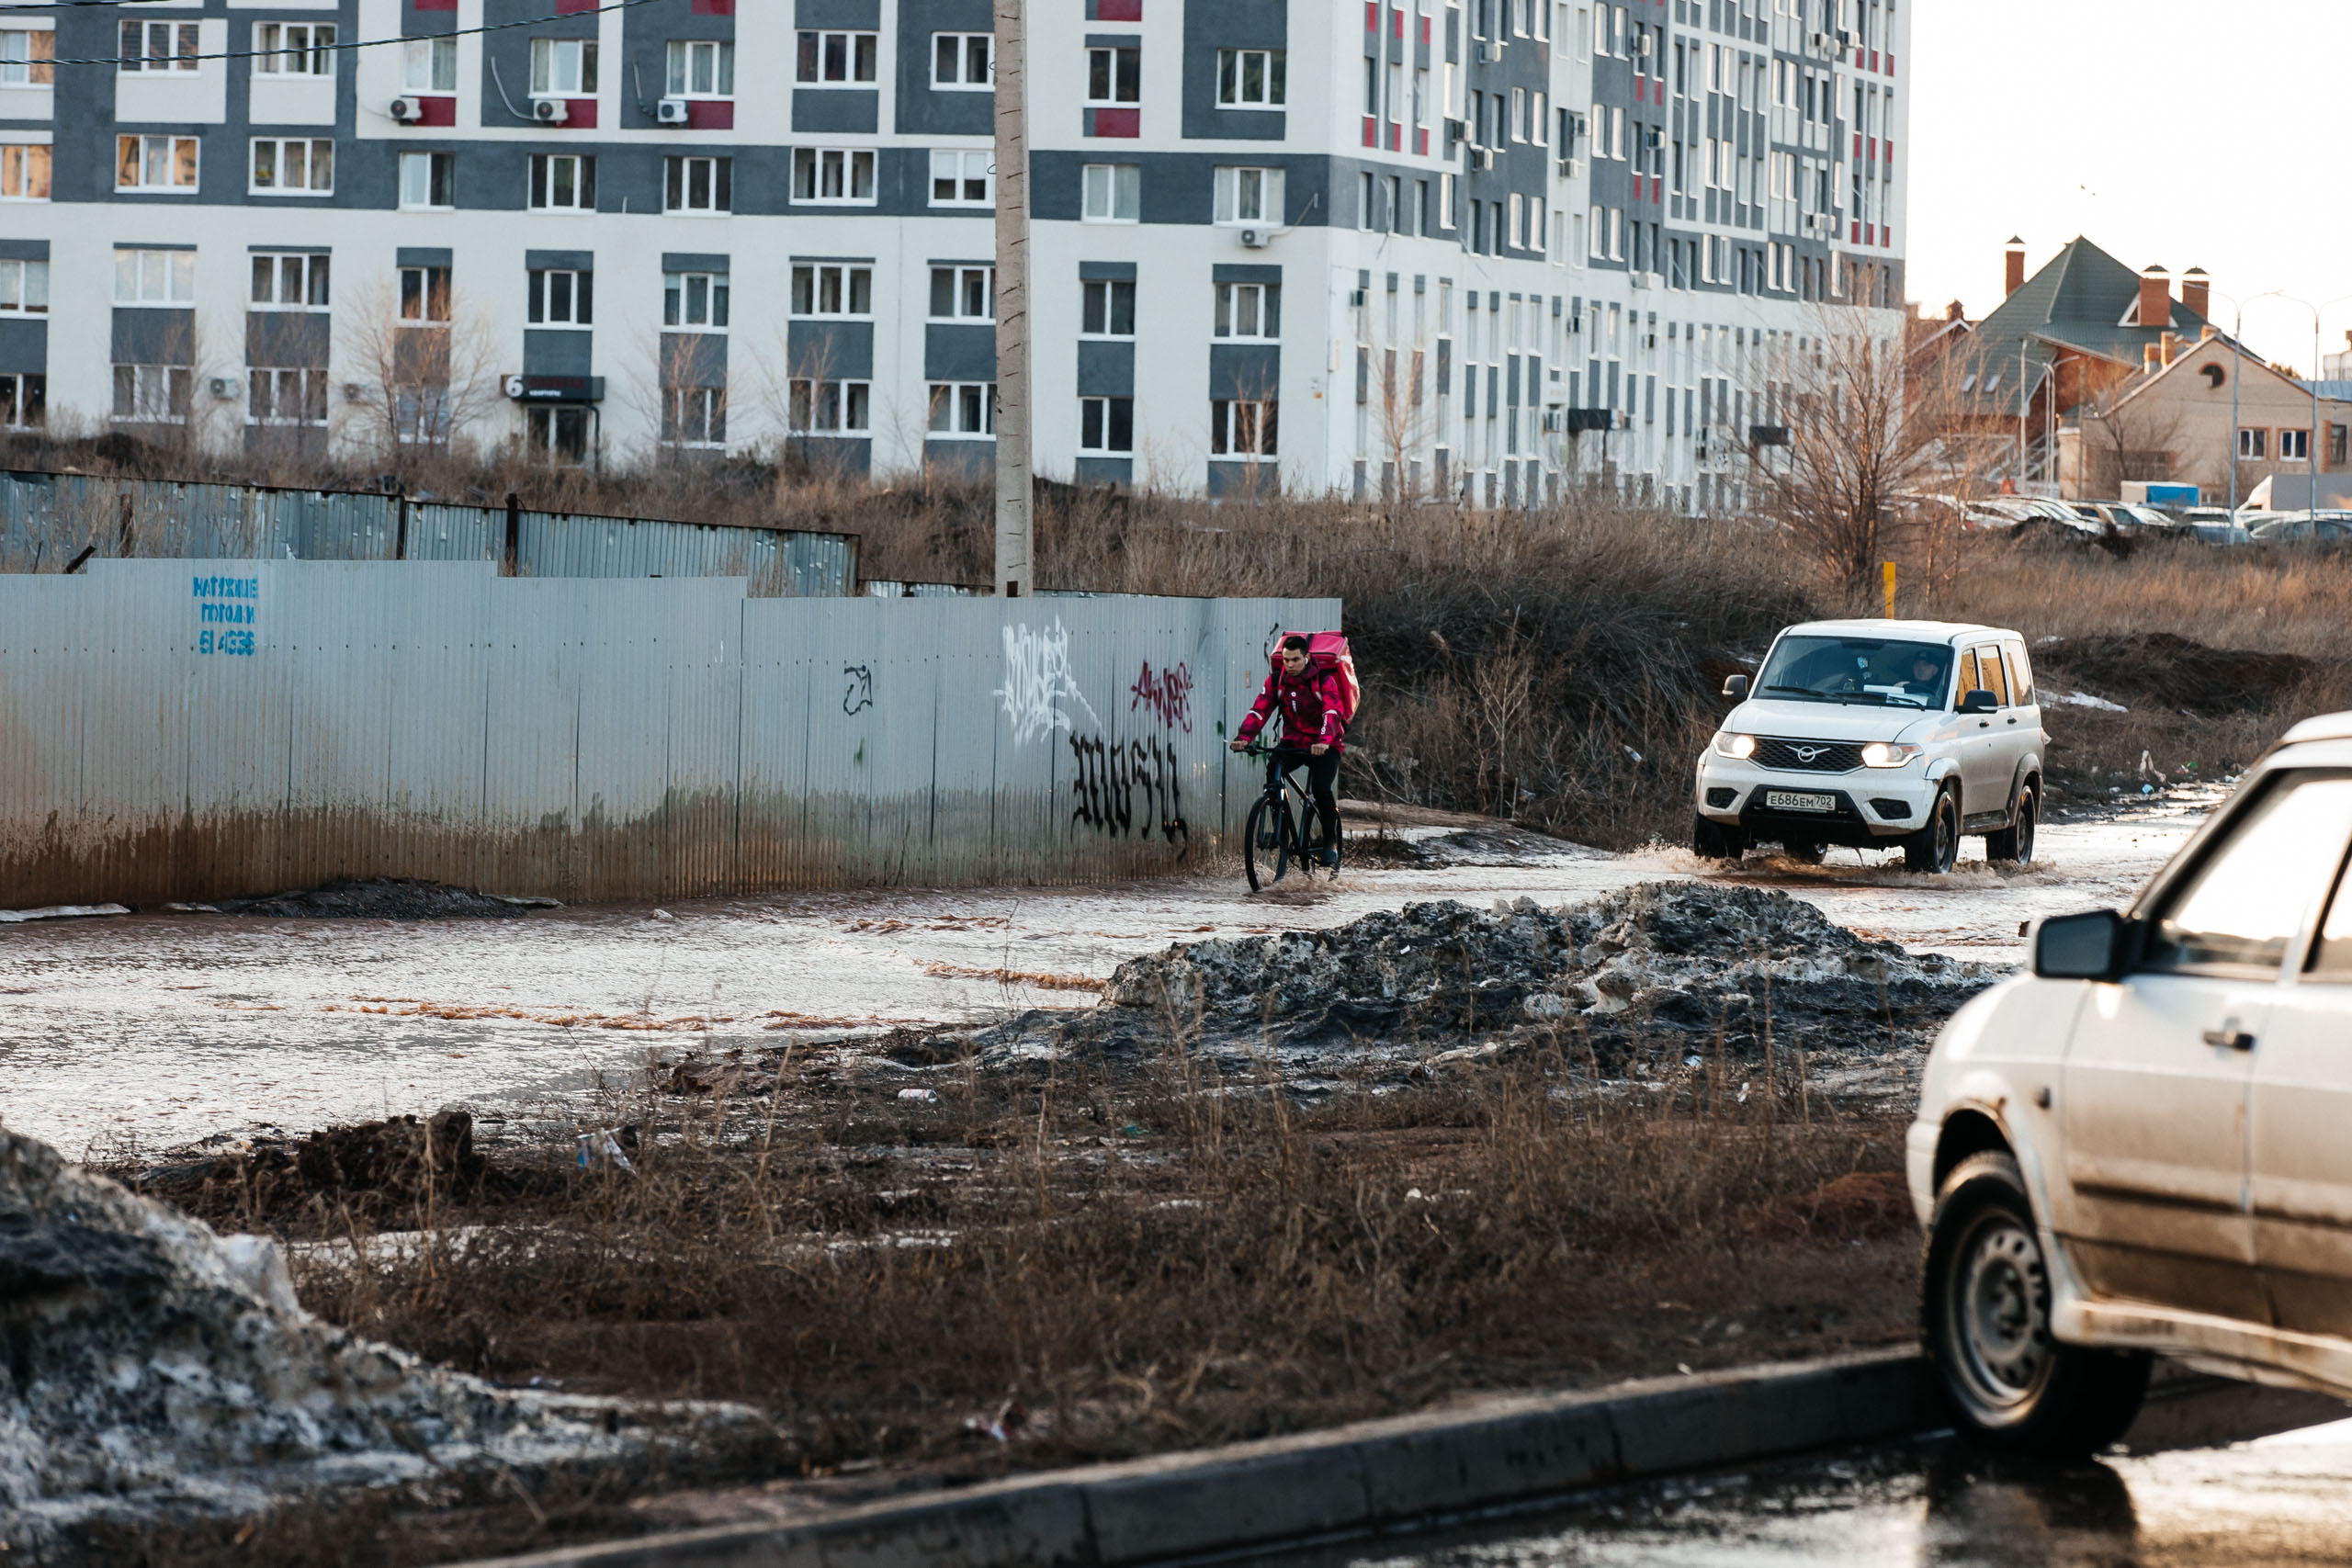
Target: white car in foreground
2146,1144
1878,734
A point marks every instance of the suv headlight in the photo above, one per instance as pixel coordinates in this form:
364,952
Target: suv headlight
1729,744
1887,754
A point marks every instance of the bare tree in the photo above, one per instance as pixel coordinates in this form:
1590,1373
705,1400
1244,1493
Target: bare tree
2126,439
1403,424
424,369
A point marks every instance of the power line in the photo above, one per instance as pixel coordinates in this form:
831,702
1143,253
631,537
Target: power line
166,60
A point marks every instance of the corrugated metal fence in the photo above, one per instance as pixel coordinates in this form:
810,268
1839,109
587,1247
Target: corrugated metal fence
192,730
46,520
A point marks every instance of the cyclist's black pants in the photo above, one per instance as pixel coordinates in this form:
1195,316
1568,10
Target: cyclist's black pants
1322,775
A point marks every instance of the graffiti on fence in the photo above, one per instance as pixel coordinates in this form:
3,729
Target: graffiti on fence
1128,788
1167,692
228,603
1037,677
860,695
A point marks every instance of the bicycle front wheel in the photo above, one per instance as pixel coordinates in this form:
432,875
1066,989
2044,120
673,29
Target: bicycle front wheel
1269,842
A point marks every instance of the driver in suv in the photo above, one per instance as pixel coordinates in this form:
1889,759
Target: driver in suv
1878,734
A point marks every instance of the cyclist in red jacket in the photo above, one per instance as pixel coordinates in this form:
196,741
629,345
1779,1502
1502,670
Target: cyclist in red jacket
1310,702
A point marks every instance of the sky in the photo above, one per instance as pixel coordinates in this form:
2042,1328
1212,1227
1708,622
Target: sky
2164,132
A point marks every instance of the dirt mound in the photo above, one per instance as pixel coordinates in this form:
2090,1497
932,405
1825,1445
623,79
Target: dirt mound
2173,672
1860,1203
1686,956
368,1167
384,898
158,1371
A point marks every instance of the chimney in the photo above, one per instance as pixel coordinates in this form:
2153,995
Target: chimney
2015,257
1955,311
2171,341
2150,359
2155,296
2209,332
2195,289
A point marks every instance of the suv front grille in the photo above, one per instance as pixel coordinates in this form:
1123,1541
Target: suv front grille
1808,756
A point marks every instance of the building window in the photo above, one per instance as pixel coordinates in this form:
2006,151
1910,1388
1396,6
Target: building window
564,67
699,185
1106,425
557,434
155,162
694,299
1113,193
1114,76
293,166
817,407
293,49
429,65
24,172
285,397
158,45
563,297
2254,443
843,175
428,180
2294,445
963,409
23,399
965,62
832,288
24,288
1239,428
963,294
563,182
425,296
1107,307
838,60
1250,310
701,70
2337,445
296,282
1248,196
694,416
154,277
25,58
962,179
151,391
1250,78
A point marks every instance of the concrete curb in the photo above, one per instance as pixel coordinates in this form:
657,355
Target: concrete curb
1348,1478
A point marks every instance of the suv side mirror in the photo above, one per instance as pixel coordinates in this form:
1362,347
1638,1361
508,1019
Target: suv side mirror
2096,946
1736,688
1980,700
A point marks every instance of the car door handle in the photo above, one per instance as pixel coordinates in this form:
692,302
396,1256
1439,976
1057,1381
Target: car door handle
2229,1039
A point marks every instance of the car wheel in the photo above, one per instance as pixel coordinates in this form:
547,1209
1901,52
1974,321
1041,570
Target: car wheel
1984,1314
1801,850
1934,847
2015,842
1710,840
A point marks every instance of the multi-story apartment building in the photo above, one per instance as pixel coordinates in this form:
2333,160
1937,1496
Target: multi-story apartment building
1461,246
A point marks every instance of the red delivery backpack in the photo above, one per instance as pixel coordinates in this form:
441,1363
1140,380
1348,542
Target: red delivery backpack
1327,651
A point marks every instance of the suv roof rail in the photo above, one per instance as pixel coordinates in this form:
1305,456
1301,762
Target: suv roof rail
2325,727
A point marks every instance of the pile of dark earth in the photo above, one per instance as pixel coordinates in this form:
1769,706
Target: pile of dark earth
1638,984
383,898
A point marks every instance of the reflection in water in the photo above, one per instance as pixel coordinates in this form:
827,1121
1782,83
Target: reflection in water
1983,1511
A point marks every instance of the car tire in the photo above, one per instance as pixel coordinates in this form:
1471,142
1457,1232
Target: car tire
1710,840
1984,1316
1935,847
2014,843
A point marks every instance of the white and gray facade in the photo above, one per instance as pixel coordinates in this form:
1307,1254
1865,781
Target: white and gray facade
1463,246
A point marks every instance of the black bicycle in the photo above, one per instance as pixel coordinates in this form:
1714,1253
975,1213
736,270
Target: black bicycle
1283,829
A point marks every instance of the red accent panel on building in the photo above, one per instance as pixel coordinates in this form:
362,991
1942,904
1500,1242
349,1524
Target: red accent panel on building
1372,15
1371,131
1114,122
436,4
1395,138
1857,231
1425,30
1118,10
1873,149
580,113
438,111
1858,144
1398,15
713,8
1890,157
1890,62
574,8
1421,142
1659,95
710,114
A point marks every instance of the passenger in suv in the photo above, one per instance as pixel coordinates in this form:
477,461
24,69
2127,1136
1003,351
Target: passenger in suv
1878,734
2141,1146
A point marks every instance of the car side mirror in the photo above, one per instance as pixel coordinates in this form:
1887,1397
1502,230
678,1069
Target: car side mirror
1980,700
2096,946
1736,688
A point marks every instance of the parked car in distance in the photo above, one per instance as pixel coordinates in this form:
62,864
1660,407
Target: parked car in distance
1877,735
2214,526
2300,529
2141,1146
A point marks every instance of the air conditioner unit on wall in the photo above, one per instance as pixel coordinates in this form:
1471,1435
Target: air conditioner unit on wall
550,111
670,111
223,387
1255,237
1491,51
408,111
1482,157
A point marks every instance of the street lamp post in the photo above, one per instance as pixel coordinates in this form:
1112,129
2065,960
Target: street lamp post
2311,437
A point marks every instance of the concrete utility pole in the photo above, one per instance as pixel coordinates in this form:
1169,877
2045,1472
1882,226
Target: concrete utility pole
1015,574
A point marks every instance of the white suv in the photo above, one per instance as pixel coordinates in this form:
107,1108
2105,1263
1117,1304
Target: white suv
2143,1144
1877,734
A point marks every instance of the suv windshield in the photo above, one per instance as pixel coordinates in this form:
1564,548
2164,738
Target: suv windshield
1857,670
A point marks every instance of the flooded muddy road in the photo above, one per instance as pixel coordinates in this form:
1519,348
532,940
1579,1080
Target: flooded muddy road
153,1031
